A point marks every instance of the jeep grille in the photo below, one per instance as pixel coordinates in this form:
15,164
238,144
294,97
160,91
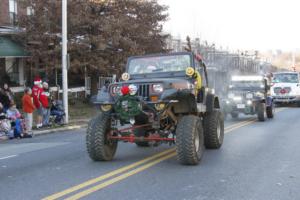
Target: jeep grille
144,90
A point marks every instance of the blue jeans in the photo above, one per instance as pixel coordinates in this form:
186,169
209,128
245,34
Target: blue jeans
46,116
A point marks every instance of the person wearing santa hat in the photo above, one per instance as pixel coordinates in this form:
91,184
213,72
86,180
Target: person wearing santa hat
37,90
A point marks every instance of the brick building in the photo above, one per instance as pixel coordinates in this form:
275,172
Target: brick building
12,54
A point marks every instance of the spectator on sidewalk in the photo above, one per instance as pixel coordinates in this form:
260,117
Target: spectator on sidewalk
8,92
36,93
4,99
5,126
28,109
45,99
14,116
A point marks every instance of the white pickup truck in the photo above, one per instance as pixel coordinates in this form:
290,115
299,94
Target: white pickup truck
286,87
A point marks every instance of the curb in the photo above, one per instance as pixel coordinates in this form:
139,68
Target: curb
48,131
55,130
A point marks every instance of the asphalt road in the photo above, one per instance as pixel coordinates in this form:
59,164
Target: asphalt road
258,160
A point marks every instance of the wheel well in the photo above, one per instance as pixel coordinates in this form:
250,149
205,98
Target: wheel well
212,102
217,103
187,104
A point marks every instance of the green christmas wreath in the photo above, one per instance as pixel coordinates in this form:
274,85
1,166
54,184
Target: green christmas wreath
127,107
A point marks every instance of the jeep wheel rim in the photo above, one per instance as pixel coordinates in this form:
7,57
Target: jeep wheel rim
219,129
197,141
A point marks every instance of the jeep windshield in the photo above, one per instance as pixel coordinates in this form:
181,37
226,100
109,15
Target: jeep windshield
157,64
247,82
286,78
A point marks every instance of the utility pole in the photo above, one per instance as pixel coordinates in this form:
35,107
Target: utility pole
64,60
293,61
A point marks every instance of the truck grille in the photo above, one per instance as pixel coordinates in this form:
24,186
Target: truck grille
282,90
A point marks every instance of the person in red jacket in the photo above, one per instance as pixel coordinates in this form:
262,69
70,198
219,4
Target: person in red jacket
45,102
36,93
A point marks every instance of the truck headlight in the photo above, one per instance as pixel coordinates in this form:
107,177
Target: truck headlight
158,88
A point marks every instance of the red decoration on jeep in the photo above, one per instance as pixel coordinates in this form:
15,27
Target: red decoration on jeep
125,90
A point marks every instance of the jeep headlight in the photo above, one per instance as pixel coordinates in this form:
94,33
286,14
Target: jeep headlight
230,95
158,88
159,106
237,98
106,107
116,89
249,96
259,94
132,89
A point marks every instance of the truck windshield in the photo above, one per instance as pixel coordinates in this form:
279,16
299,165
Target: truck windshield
169,63
285,78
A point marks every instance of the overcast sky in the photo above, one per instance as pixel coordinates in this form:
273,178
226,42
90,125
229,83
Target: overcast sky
237,24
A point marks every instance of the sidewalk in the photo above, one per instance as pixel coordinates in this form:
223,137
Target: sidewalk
73,125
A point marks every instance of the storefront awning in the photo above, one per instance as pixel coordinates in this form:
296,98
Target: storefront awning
9,48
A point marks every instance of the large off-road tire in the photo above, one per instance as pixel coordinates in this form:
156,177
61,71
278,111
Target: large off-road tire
261,107
234,115
213,130
189,140
270,111
98,146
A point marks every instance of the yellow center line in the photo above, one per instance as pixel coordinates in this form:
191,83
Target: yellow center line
238,124
106,176
119,178
241,125
155,159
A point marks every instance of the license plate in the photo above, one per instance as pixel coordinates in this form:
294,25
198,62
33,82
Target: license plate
240,106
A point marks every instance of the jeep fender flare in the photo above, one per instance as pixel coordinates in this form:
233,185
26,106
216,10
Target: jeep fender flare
212,102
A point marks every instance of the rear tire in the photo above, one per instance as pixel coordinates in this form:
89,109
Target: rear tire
213,130
261,112
234,115
98,146
189,140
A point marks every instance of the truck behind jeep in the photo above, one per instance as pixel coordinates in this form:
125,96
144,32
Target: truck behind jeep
286,88
162,98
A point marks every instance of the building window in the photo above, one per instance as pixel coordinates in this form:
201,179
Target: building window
13,11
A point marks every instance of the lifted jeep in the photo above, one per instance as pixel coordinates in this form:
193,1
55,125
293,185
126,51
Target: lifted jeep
162,98
250,95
